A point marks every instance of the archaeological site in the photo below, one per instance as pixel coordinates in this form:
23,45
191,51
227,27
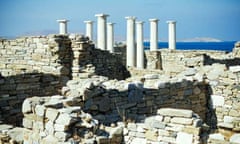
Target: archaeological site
67,89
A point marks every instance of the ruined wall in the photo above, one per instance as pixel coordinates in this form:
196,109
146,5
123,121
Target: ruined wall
40,66
31,66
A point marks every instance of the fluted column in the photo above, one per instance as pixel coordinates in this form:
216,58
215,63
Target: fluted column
62,26
110,37
153,34
131,49
171,35
89,29
140,47
101,31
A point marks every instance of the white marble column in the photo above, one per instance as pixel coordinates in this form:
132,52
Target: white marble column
89,29
110,37
101,31
62,26
153,34
171,35
131,49
140,47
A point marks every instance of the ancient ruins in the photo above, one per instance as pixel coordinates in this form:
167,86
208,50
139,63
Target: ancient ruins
64,89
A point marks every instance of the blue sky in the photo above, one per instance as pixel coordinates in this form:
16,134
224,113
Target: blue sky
195,18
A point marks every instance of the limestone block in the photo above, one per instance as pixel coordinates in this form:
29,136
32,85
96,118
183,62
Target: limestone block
62,136
235,138
139,141
65,119
234,69
5,127
26,106
151,135
50,139
216,136
180,120
59,127
226,125
217,100
228,119
40,110
27,123
51,114
17,134
49,128
175,112
191,130
184,138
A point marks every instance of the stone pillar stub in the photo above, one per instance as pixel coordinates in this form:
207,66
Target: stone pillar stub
140,46
153,34
110,37
172,35
101,31
62,26
89,29
130,41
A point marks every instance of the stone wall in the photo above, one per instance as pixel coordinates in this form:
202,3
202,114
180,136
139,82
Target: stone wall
31,66
39,66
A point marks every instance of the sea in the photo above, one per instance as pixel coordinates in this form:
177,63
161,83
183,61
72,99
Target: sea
226,46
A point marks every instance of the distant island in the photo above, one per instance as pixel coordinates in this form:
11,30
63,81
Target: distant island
202,39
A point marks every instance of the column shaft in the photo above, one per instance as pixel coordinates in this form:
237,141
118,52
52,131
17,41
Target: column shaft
171,35
153,34
101,31
131,49
110,37
62,26
89,29
140,47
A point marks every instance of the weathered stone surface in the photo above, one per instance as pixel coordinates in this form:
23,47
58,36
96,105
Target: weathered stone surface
51,114
26,106
184,138
17,134
50,139
217,100
175,112
179,120
235,138
216,136
151,135
64,119
5,127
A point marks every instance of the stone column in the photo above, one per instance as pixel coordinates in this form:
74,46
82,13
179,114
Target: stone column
89,29
140,47
101,31
131,49
171,35
110,37
153,34
62,26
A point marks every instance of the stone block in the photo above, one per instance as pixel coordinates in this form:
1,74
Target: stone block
50,139
51,114
216,136
184,138
151,135
180,120
49,128
59,127
235,138
62,136
217,100
175,112
139,141
5,127
27,123
65,119
40,110
191,130
26,106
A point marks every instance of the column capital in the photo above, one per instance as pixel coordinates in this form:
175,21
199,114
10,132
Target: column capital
153,20
62,21
171,22
140,22
89,21
131,17
101,15
110,23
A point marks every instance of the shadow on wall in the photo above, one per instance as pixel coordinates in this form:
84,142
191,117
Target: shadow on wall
228,62
14,89
136,103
